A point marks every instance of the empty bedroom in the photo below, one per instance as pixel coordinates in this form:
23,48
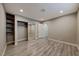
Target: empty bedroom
39,29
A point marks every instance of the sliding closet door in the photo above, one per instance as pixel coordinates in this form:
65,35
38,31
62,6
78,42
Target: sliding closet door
22,31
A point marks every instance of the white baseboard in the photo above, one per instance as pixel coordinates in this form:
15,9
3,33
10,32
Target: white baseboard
68,43
42,38
4,51
22,39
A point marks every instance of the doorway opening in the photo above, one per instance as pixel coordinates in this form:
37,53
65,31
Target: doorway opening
22,31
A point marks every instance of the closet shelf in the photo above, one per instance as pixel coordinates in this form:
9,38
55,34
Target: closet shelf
10,19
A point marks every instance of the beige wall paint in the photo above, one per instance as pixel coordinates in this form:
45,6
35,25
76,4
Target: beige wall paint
78,27
2,30
63,28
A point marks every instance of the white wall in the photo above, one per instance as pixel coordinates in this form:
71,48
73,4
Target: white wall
63,28
2,30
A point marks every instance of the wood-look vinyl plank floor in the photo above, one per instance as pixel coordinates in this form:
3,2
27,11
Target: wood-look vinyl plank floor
41,47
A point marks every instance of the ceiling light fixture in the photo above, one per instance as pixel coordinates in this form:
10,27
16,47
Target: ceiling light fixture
61,11
43,10
21,10
42,19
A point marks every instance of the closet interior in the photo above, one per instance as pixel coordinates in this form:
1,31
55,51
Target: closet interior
10,26
22,29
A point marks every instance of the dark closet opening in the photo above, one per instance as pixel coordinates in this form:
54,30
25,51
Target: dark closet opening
10,26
